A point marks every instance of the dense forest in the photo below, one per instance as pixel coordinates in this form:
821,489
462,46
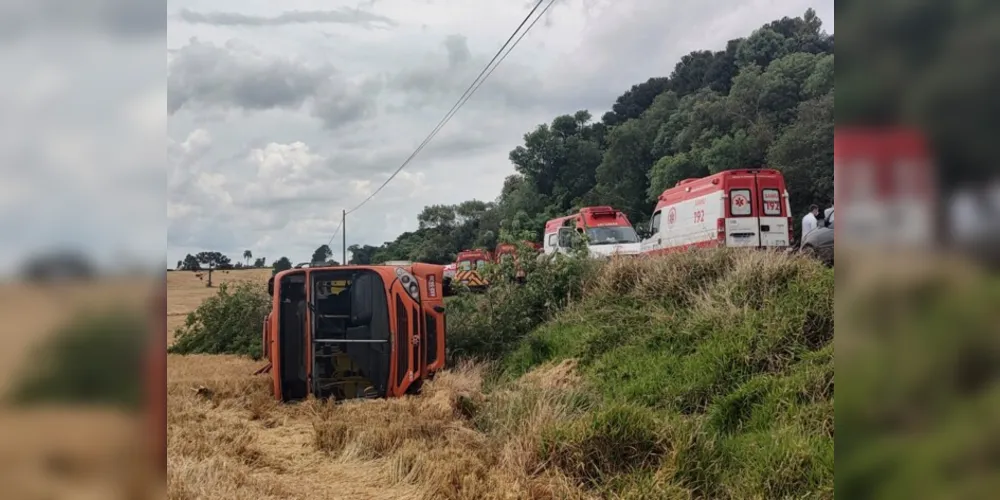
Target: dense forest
763,100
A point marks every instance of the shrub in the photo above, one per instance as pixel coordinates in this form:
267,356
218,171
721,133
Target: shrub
230,322
95,359
489,325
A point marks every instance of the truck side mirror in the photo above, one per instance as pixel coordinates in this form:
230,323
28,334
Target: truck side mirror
270,286
362,291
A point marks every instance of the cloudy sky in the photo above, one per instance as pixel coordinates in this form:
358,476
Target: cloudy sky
83,123
281,114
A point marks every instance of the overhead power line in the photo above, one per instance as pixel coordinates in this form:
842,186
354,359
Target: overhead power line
336,232
483,75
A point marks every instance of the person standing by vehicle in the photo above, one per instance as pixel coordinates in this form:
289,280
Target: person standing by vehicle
809,222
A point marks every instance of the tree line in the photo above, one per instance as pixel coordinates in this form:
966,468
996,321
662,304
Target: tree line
763,100
217,261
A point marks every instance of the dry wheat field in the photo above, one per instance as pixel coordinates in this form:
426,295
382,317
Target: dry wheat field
228,439
62,451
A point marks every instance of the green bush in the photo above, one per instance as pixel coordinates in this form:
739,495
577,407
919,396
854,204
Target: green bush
230,322
490,324
97,358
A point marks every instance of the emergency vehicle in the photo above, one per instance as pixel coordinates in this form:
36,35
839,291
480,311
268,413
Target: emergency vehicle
608,230
471,264
733,208
886,185
450,270
505,251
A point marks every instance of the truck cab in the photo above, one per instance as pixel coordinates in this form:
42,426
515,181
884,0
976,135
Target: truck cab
608,231
355,331
470,266
508,251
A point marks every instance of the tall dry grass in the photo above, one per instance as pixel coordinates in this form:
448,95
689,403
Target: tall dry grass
228,439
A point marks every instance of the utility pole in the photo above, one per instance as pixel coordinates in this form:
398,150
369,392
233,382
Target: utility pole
343,223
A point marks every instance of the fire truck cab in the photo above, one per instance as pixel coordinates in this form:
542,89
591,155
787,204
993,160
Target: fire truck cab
470,265
733,208
508,251
355,331
608,230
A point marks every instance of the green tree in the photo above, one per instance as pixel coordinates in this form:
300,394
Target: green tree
247,255
281,264
362,254
212,260
321,255
190,263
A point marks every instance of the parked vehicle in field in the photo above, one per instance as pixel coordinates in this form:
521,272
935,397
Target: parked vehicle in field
355,331
819,241
608,232
733,208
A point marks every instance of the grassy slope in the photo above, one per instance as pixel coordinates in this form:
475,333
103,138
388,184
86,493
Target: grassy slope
714,373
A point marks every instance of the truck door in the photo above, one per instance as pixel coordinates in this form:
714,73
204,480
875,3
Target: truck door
404,338
742,224
771,210
653,243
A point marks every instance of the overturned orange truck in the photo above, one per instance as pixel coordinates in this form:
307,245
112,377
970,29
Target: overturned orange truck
355,331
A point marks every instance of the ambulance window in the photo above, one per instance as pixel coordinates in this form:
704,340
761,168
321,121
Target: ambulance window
654,225
772,202
739,202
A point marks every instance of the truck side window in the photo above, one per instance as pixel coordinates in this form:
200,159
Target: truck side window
565,237
552,240
654,225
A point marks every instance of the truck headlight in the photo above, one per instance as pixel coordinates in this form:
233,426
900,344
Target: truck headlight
409,283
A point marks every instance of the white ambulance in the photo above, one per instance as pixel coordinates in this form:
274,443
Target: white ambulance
733,208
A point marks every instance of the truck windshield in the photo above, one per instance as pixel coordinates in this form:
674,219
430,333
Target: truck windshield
610,235
465,265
